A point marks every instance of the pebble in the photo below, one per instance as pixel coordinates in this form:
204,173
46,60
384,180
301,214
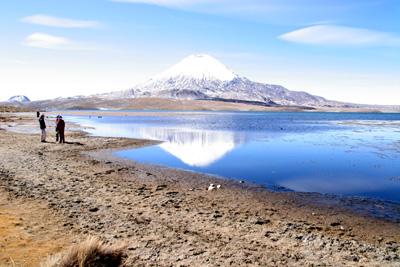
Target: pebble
94,209
262,221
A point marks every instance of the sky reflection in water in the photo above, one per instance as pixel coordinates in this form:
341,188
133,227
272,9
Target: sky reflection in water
308,152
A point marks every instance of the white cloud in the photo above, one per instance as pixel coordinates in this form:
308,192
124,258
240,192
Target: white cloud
173,3
51,21
47,41
43,40
340,35
282,12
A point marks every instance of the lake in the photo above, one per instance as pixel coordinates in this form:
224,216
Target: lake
347,154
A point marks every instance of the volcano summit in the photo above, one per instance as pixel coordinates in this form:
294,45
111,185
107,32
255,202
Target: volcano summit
204,77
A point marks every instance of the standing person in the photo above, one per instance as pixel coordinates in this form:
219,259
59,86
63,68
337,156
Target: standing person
60,129
57,133
42,124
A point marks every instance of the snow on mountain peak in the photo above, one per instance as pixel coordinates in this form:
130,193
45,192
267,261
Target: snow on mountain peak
19,98
199,67
204,77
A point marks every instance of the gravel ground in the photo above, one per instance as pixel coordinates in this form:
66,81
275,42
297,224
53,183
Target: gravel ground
168,218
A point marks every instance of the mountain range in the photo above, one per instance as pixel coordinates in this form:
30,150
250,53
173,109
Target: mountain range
204,77
200,82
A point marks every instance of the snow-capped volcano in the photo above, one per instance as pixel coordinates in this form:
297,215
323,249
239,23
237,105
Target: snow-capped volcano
204,77
19,99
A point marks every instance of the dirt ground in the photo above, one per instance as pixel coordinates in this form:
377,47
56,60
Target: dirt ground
29,232
55,194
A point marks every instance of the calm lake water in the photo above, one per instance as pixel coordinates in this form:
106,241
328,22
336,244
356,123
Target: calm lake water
355,154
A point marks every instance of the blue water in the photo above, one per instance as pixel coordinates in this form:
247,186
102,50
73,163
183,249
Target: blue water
356,154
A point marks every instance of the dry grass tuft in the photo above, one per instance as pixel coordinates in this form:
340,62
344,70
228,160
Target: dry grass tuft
90,253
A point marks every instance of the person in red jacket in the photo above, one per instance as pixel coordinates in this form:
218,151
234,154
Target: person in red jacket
60,129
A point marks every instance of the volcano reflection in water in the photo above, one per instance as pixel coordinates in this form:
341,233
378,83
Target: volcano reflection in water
194,148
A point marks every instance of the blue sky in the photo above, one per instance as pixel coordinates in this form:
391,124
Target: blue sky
342,50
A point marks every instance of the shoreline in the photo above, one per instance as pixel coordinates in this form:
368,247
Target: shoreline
167,112
364,206
151,103
168,217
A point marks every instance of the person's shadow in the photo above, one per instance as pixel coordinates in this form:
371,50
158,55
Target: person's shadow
68,143
74,143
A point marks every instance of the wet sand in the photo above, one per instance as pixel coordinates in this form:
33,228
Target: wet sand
166,216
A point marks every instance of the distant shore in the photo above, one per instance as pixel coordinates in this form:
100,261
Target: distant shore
145,104
167,216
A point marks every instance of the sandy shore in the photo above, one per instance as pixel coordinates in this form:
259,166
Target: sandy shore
166,216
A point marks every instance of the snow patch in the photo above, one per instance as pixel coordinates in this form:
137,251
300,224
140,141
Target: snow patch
198,67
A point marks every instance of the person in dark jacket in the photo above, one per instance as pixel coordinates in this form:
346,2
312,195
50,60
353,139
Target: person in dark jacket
42,124
57,134
60,129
